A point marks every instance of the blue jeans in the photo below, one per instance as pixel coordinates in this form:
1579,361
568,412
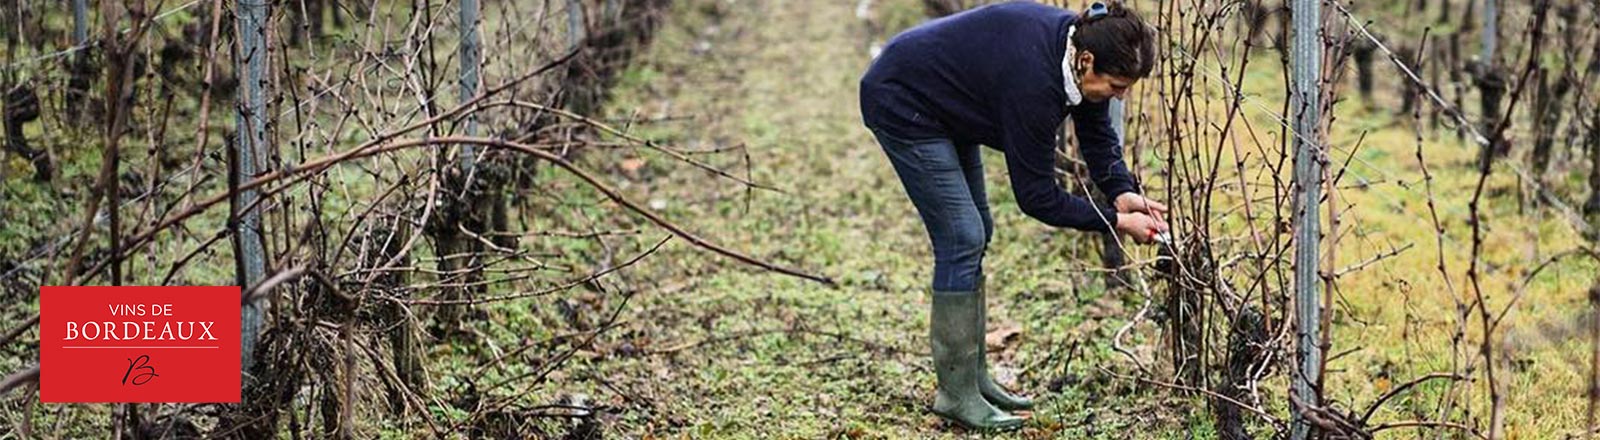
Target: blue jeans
945,182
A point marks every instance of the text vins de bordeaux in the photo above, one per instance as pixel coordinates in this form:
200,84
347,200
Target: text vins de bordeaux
129,330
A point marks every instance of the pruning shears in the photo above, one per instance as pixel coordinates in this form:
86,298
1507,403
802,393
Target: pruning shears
1164,238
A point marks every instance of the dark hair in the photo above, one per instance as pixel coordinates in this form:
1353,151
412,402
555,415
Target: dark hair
1120,41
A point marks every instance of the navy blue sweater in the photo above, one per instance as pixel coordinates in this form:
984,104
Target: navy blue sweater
992,76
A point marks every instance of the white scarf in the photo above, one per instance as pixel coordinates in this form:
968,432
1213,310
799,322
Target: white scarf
1069,81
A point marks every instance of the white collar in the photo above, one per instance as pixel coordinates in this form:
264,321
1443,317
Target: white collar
1069,81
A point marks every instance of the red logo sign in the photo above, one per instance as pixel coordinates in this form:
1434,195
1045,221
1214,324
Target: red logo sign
139,344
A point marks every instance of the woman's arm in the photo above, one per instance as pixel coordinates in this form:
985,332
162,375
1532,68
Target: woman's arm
1028,135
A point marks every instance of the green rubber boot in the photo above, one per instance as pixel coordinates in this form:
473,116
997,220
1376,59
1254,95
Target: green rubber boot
957,355
991,390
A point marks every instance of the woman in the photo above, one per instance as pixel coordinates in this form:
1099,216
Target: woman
1006,76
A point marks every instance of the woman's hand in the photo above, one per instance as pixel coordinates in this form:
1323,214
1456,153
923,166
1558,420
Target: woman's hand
1133,202
1142,227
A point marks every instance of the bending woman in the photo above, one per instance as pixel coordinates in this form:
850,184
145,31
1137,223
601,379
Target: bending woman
1005,76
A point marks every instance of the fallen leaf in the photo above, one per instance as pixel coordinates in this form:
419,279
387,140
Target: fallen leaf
631,166
1000,337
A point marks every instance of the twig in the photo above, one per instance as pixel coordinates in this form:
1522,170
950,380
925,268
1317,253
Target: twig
1392,252
1428,424
1373,408
635,139
29,374
31,322
1225,399
564,286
